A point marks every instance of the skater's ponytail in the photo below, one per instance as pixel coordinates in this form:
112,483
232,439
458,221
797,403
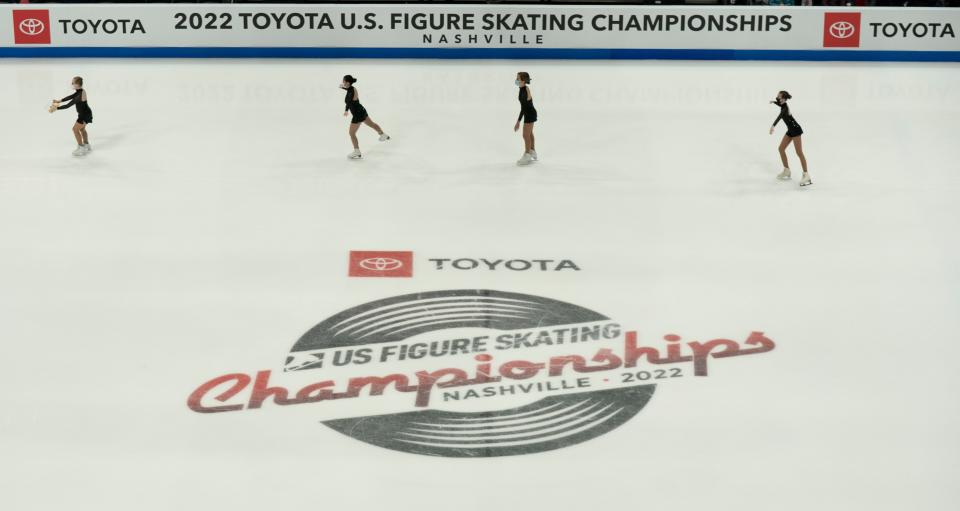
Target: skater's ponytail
785,94
349,79
525,76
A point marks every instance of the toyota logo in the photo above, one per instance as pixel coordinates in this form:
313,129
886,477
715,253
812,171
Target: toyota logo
381,264
31,26
842,29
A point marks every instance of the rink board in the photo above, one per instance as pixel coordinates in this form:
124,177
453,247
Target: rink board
481,32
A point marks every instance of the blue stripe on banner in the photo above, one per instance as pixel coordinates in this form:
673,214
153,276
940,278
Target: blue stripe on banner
478,53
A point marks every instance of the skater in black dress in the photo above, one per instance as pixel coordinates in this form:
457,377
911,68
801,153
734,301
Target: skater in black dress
528,114
794,134
354,108
84,115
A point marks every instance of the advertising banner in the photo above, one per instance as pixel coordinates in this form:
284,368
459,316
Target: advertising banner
480,31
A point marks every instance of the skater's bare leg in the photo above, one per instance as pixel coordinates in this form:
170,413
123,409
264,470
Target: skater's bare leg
353,135
76,133
783,151
798,145
369,122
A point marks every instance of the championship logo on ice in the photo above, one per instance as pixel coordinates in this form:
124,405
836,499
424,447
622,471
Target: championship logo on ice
469,373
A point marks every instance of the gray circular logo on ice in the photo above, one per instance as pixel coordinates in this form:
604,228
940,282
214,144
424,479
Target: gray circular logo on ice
548,423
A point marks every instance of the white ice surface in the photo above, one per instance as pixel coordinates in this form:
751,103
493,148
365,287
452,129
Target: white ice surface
210,229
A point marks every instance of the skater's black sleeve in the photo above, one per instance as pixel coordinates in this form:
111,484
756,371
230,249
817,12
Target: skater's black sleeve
784,112
73,98
524,99
351,96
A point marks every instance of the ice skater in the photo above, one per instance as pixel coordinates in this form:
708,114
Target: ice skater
359,116
84,115
528,114
794,134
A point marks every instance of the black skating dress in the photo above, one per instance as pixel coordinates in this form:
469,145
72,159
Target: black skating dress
793,128
528,113
356,109
84,114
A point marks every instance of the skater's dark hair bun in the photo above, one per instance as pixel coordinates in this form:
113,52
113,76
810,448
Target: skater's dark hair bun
786,95
77,80
349,79
525,76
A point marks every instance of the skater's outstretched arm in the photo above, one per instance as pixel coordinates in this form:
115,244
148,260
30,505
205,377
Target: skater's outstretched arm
784,113
777,120
72,98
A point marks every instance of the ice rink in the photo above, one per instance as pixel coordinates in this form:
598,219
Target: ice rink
212,224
